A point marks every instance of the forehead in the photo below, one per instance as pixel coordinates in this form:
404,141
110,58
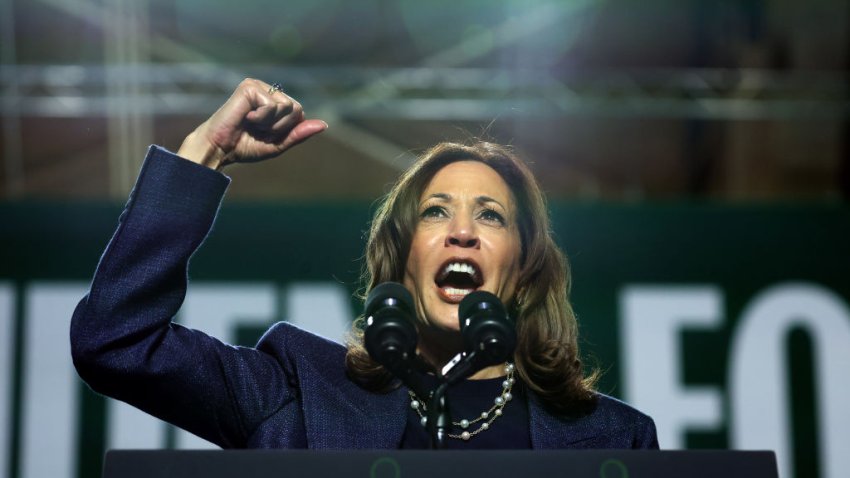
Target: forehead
468,178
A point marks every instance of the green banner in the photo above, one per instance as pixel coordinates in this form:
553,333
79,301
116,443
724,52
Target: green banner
729,325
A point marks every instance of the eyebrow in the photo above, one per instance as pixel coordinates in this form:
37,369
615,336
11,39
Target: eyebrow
480,199
486,199
443,196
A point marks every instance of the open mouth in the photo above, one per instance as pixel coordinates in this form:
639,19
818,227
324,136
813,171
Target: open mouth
458,277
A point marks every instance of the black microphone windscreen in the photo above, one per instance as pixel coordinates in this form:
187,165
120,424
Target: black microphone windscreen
476,300
389,290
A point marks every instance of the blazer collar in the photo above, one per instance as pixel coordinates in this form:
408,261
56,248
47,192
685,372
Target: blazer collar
342,415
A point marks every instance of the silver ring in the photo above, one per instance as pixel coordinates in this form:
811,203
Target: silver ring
275,87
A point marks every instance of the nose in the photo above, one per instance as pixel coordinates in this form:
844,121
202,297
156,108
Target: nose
462,233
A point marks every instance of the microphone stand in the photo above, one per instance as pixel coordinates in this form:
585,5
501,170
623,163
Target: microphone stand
439,416
411,377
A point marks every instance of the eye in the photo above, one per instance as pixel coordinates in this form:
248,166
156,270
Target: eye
433,212
489,215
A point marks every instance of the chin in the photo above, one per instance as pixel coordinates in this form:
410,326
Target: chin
442,324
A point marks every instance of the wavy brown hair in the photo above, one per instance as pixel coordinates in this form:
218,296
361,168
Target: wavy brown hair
547,354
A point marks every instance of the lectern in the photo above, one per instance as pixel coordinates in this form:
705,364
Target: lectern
438,464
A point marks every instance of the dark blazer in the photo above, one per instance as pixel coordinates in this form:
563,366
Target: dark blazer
291,390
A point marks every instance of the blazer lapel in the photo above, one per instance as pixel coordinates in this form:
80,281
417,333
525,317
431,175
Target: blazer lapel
341,415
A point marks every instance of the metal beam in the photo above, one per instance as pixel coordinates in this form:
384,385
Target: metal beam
465,94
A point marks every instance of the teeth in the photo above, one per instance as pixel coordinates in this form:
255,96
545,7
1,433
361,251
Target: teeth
453,291
460,267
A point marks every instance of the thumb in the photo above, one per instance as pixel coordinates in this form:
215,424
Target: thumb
304,131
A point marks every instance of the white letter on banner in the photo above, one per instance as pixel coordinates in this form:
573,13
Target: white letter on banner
323,308
49,404
7,350
758,373
653,318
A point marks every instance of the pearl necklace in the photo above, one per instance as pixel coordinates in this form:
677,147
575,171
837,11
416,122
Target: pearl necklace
486,417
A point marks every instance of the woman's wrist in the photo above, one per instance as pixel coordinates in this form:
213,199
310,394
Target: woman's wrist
198,149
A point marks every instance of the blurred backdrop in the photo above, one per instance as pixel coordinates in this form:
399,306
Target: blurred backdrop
696,155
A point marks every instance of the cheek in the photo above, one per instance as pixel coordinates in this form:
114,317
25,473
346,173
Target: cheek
422,247
415,258
511,266
410,267
511,276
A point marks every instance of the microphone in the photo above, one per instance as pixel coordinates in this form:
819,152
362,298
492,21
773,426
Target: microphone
489,338
486,328
390,336
489,335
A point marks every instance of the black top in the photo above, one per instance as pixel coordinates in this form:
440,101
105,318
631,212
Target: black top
467,400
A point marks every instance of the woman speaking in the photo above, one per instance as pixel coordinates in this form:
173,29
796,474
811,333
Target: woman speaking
462,219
